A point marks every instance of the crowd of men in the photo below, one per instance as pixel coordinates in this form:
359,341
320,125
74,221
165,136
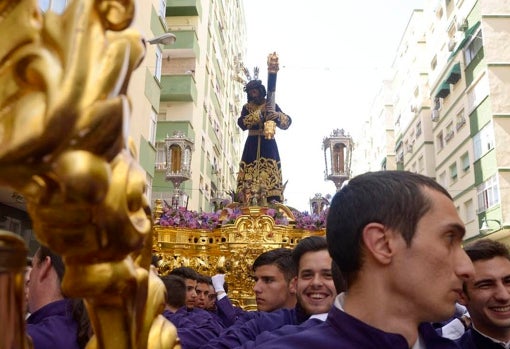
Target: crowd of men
392,272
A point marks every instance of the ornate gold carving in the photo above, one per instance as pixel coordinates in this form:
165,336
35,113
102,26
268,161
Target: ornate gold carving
230,249
269,129
13,253
63,109
272,63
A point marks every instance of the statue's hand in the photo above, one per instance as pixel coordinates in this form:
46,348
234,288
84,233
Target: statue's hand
271,116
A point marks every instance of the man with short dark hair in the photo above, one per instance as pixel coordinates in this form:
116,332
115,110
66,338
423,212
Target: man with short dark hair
190,277
274,289
55,321
316,293
273,272
397,238
487,296
202,291
196,315
192,330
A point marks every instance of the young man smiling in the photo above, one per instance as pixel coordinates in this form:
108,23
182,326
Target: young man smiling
487,296
316,293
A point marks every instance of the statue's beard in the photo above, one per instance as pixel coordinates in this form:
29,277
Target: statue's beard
258,100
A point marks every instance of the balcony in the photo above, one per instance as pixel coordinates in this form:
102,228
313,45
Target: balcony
176,8
178,88
186,44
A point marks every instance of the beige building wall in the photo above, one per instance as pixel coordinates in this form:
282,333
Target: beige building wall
142,121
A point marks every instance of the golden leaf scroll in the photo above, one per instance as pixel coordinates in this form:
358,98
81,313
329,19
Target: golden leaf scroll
63,111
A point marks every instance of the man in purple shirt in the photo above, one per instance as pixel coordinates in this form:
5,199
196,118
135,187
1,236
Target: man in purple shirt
201,324
194,327
396,236
273,271
316,291
487,296
55,322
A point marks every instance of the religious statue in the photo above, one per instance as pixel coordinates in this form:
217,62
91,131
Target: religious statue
260,162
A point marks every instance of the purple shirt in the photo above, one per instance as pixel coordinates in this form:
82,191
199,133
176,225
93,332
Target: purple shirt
472,339
340,330
53,327
286,330
194,327
227,312
241,332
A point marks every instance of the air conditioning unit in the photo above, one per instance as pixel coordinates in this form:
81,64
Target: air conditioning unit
451,45
435,115
462,24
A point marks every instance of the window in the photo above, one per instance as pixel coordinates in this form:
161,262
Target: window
464,160
157,70
449,132
162,8
453,172
442,179
148,187
433,63
474,46
440,141
421,165
160,156
437,103
152,127
460,120
488,194
483,141
469,211
418,128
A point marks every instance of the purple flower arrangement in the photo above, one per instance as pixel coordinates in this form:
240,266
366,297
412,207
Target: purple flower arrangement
211,220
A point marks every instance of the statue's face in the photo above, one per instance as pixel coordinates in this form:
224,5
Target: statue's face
21,83
254,93
255,96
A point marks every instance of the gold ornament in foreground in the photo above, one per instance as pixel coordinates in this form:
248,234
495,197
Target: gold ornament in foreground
63,112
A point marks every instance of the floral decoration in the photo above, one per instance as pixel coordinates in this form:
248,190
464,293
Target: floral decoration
183,218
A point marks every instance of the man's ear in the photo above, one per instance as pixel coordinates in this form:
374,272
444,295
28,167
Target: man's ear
378,242
45,268
292,285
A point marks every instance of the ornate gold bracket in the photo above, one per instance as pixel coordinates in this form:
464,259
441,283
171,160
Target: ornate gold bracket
63,109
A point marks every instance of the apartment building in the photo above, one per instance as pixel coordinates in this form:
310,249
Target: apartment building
451,106
200,103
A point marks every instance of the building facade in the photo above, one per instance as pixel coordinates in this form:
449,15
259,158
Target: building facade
451,108
201,101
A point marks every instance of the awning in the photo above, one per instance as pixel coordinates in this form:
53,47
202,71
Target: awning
454,74
398,145
444,90
468,35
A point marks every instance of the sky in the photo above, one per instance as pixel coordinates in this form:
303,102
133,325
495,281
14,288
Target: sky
333,57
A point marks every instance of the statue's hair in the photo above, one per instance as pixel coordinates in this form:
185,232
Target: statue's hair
255,84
